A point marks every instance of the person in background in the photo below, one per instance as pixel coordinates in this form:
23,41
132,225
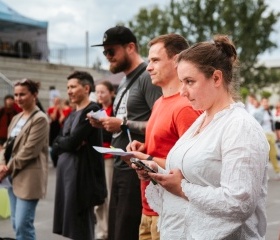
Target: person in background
54,114
53,93
276,118
57,116
252,103
65,111
265,118
105,94
132,108
80,174
171,116
27,167
214,184
7,112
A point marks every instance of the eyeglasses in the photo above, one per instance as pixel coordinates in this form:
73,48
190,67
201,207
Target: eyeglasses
110,52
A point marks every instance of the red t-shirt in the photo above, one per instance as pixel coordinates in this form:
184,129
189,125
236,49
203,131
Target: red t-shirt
170,118
51,110
66,111
6,115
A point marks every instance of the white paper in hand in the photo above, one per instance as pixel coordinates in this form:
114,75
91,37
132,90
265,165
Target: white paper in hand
98,114
113,151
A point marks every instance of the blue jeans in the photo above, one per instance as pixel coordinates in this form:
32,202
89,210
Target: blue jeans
22,216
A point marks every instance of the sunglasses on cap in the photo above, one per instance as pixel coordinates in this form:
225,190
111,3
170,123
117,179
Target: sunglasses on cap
110,52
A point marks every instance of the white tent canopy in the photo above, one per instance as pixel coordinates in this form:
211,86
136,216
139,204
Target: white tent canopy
21,36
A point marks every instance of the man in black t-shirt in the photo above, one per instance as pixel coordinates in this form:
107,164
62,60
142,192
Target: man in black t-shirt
132,108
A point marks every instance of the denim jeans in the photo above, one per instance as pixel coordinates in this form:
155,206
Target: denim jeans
22,216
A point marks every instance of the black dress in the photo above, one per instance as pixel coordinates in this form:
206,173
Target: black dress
80,182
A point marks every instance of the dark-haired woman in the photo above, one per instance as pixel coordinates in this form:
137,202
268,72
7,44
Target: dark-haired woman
27,167
215,182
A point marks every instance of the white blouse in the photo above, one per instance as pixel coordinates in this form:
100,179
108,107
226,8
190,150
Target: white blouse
225,170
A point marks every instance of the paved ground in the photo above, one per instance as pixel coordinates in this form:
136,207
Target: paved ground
44,215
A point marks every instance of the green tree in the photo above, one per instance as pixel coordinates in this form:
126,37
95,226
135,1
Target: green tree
248,23
149,23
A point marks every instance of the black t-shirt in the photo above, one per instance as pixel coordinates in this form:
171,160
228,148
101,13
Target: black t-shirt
136,105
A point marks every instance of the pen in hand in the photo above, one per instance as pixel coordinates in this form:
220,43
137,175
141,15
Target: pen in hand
129,135
125,128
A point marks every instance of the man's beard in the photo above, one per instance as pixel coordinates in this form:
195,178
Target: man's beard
121,66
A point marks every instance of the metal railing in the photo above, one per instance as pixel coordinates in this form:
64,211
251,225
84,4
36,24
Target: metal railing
50,52
76,56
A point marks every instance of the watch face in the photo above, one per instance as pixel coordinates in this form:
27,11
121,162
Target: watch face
124,127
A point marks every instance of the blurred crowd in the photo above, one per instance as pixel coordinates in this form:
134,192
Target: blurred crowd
269,118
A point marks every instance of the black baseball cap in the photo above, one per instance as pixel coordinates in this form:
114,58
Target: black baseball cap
117,35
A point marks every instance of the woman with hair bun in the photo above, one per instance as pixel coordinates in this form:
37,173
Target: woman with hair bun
215,182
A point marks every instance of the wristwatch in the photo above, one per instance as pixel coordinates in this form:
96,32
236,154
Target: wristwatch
150,158
124,124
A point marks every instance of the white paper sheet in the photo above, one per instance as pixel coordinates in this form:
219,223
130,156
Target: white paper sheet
113,151
98,114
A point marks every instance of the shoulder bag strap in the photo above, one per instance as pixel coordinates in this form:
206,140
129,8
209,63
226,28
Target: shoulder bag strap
127,87
31,117
27,118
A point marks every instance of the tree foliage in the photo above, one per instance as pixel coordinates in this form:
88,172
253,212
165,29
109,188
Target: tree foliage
248,23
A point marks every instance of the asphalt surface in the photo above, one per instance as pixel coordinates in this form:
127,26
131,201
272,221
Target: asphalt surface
44,213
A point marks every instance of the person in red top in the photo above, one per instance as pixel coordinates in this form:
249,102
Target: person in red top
105,94
54,114
171,117
7,112
65,110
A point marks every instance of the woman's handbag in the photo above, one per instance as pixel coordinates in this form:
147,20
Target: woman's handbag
9,148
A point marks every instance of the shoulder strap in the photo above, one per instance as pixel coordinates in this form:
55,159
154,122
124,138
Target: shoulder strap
31,116
28,118
128,86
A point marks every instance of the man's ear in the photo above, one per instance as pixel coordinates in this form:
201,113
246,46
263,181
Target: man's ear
175,63
87,88
131,47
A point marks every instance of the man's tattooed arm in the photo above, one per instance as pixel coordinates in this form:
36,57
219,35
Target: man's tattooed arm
137,126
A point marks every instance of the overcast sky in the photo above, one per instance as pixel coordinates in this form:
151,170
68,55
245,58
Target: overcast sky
70,19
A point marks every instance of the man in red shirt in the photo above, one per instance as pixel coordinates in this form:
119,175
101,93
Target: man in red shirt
171,116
